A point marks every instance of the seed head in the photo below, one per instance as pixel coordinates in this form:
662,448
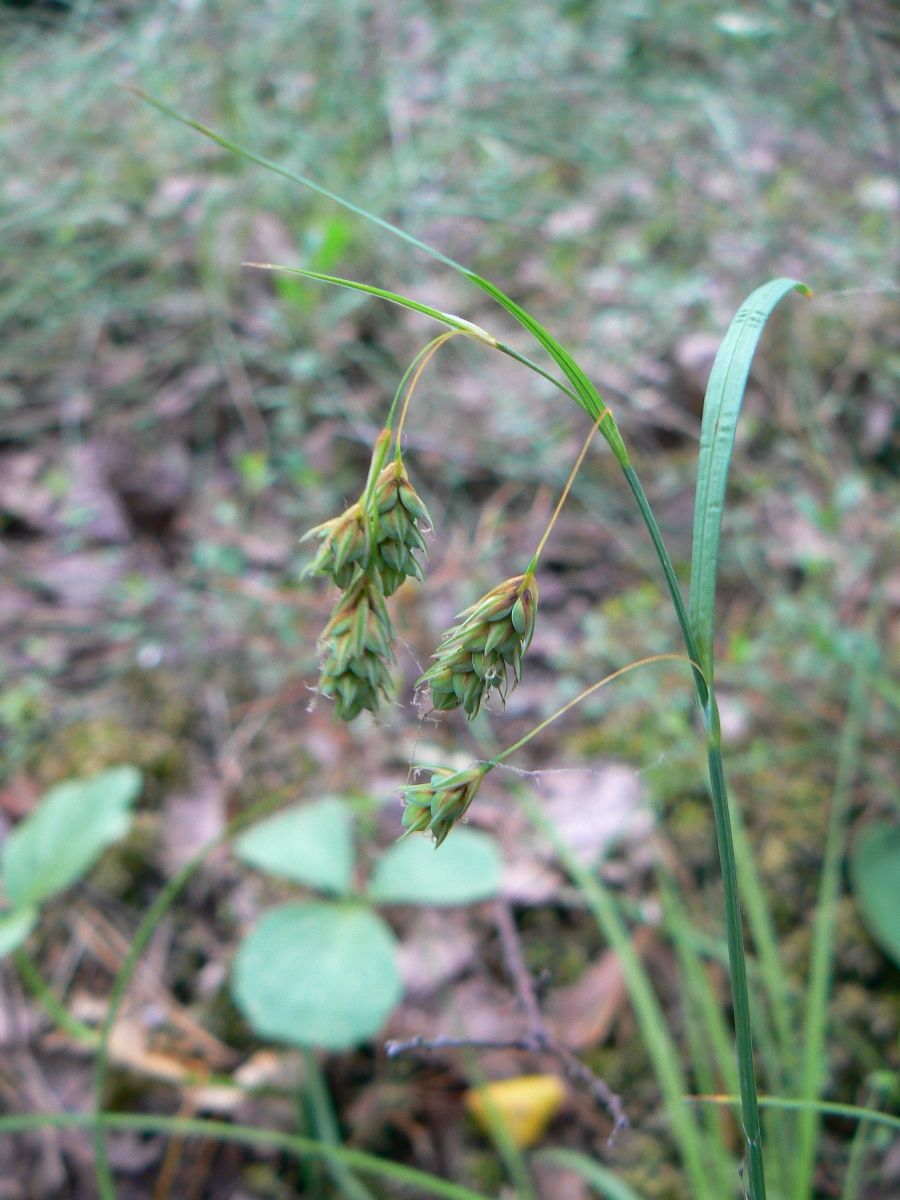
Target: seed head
437,805
400,517
476,655
356,651
345,545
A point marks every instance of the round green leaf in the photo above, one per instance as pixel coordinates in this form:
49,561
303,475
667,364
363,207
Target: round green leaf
465,869
59,842
15,927
317,975
310,844
875,873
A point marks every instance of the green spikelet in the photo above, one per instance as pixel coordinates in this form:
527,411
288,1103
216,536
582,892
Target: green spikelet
356,652
438,804
476,656
398,513
345,546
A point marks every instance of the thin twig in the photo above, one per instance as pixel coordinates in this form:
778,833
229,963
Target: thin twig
539,1036
536,1040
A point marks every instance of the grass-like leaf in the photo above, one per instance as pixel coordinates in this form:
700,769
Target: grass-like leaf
448,319
599,1178
411,1179
585,392
721,409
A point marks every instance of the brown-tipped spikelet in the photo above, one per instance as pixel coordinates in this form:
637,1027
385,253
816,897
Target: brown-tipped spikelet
400,516
345,546
477,654
356,651
437,805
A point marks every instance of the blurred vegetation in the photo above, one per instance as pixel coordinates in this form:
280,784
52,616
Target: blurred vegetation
171,422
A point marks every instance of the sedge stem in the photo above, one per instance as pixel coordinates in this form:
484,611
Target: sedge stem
379,454
589,691
409,382
532,566
46,997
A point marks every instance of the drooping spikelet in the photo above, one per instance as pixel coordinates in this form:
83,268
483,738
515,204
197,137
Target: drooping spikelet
436,805
476,655
356,651
400,514
368,551
345,546
380,538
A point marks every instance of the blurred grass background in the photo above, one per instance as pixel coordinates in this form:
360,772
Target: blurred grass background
170,422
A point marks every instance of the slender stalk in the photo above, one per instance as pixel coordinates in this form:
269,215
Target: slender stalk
414,374
379,454
734,934
709,1040
775,980
815,1061
660,1045
106,1189
45,996
583,695
687,633
725,841
576,467
326,1127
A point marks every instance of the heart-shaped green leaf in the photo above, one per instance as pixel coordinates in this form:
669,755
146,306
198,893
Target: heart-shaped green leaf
875,874
310,844
59,842
317,975
464,870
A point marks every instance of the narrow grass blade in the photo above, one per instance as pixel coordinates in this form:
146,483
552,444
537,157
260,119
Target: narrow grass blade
601,1179
661,1048
422,1182
318,1098
708,1041
295,176
721,409
586,393
814,1067
448,319
853,1112
782,1055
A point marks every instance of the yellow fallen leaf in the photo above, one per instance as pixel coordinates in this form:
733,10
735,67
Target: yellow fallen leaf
525,1106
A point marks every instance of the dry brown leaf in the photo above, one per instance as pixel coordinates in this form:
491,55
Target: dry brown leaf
583,1014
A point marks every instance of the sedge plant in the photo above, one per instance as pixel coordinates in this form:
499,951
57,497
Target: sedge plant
368,550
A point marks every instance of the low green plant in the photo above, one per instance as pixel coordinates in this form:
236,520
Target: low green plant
368,553
437,804
875,874
59,842
323,973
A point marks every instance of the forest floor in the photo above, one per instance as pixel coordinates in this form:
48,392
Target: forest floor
171,422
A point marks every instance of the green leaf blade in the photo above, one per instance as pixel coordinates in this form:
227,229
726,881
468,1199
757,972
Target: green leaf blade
465,870
721,409
370,289
317,974
598,1177
875,876
59,842
310,844
15,926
